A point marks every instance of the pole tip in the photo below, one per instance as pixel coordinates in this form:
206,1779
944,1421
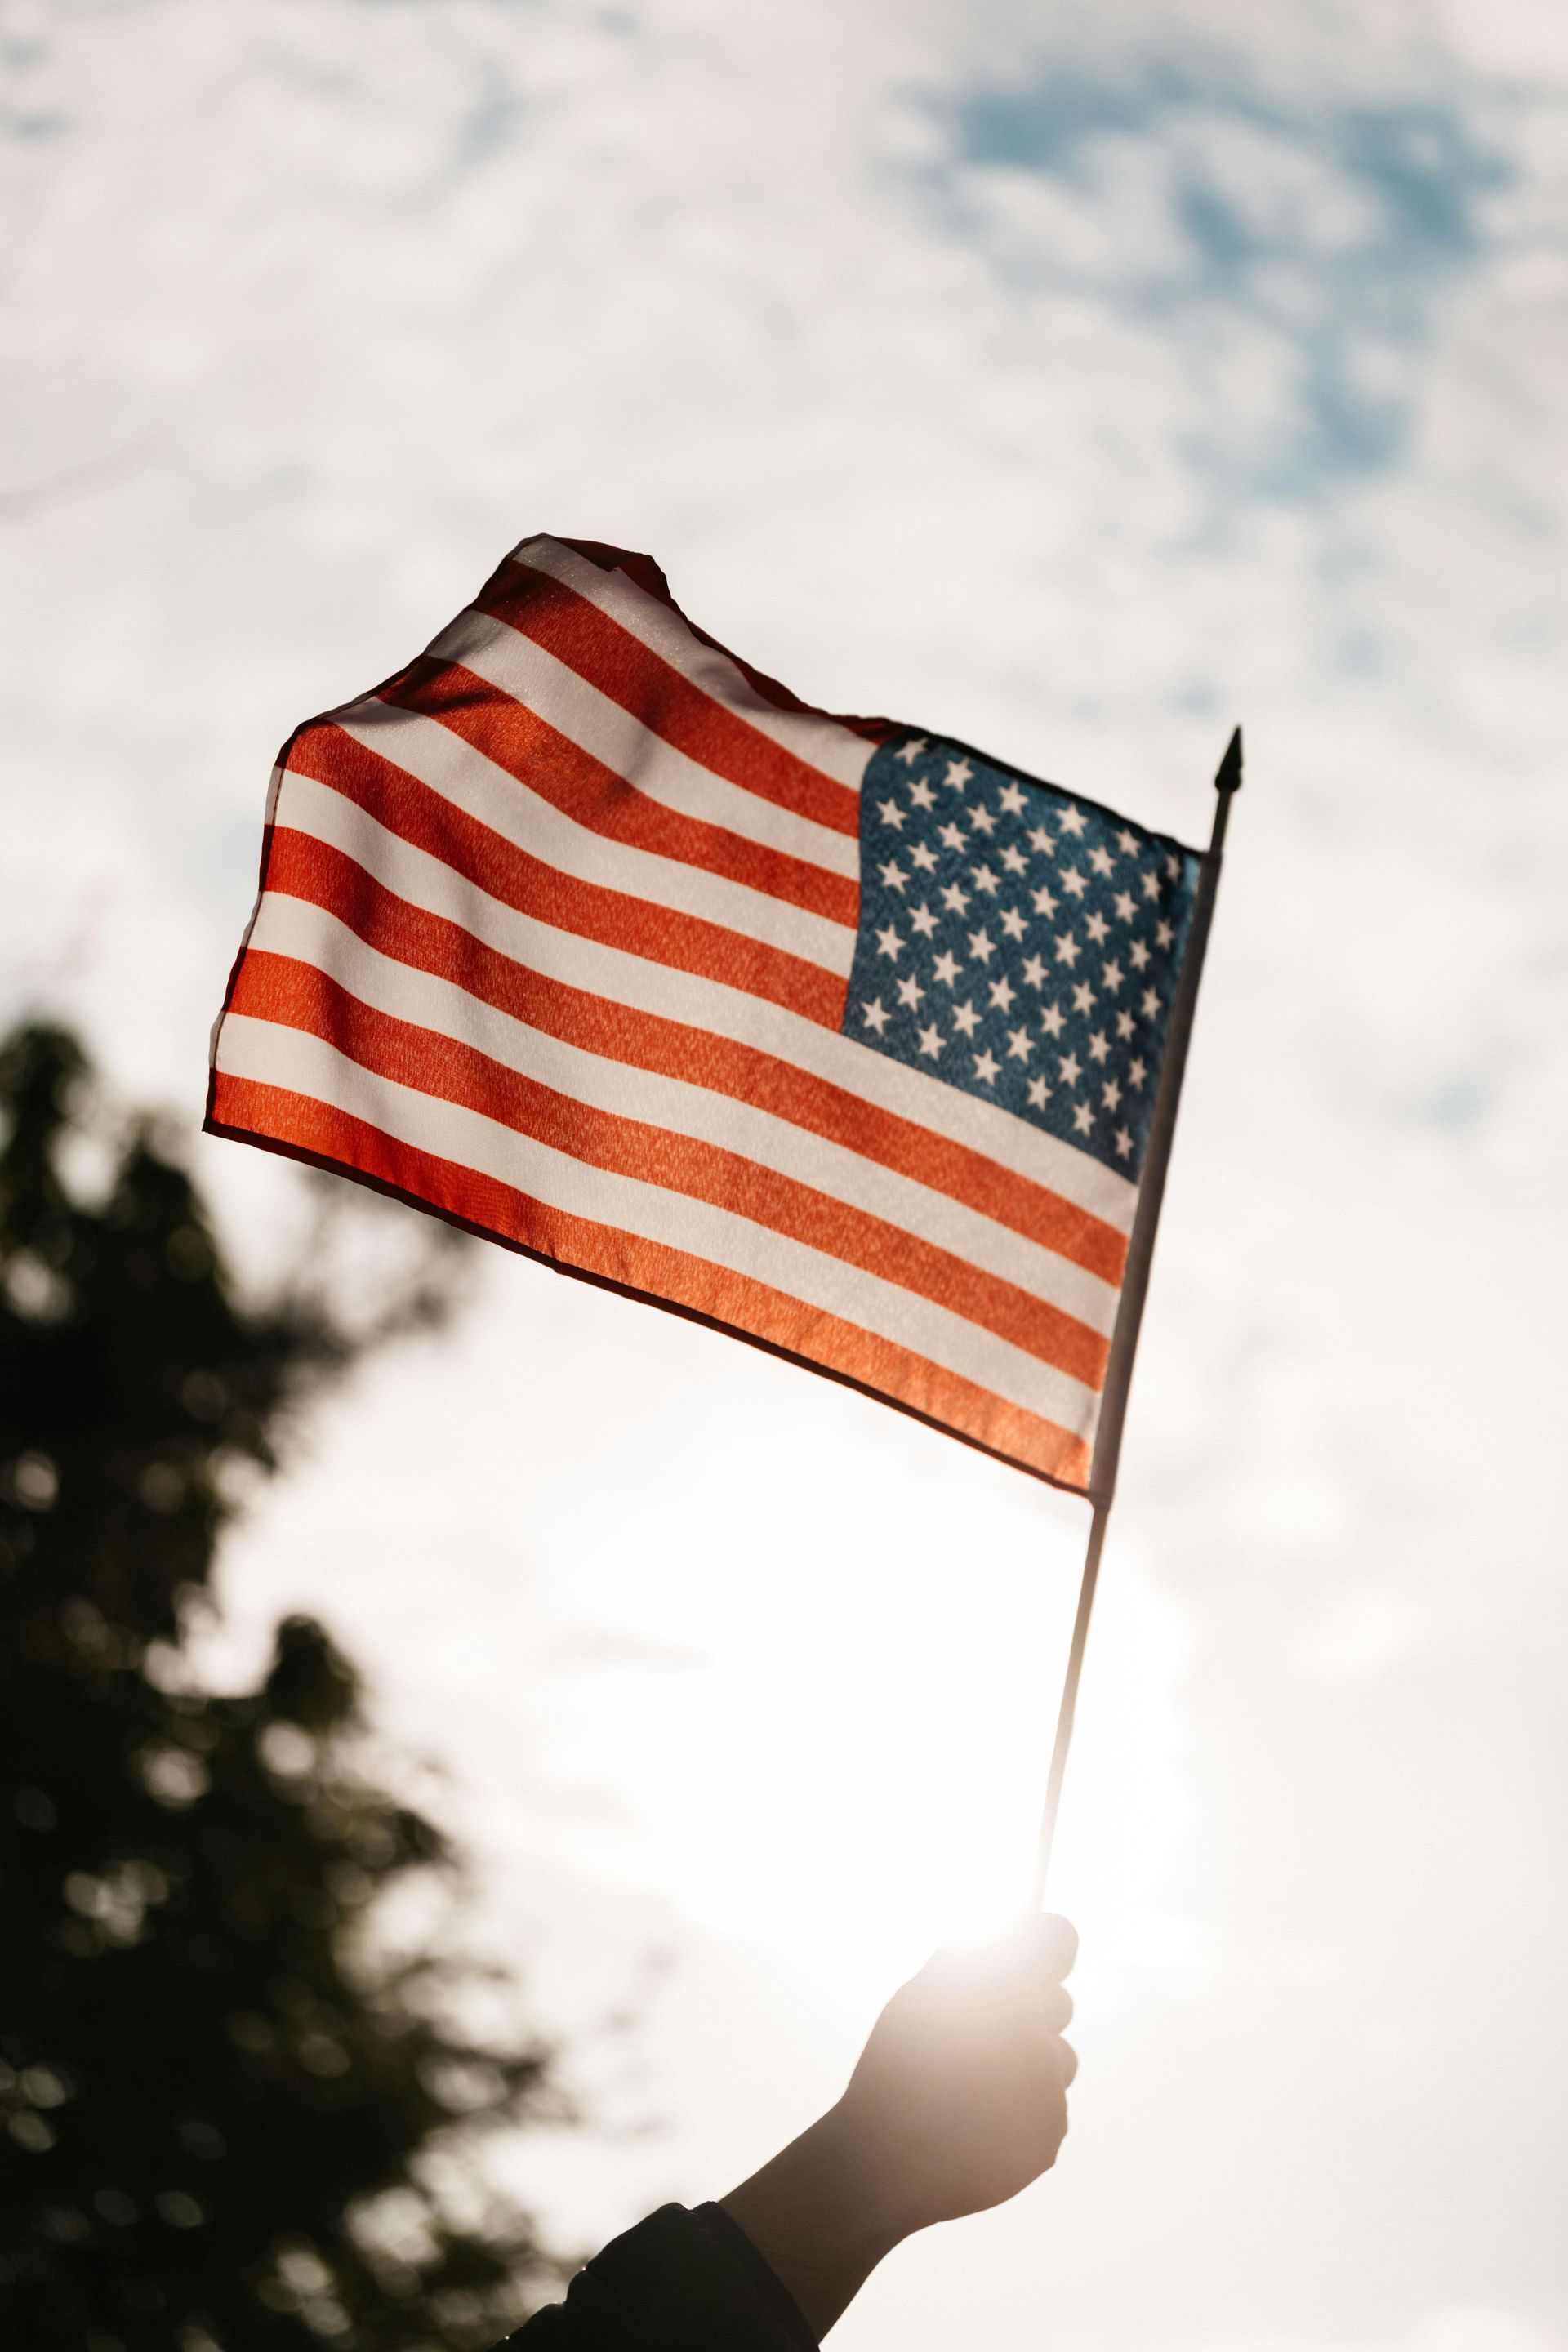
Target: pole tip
1228,778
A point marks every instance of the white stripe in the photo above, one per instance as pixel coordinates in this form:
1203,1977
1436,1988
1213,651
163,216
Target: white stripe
298,928
707,1004
576,708
454,769
811,735
271,1054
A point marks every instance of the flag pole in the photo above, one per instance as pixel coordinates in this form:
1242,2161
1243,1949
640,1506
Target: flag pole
1134,1290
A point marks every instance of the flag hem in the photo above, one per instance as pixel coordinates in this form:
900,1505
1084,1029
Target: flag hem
325,1163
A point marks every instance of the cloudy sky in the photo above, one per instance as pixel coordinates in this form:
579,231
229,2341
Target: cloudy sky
1075,380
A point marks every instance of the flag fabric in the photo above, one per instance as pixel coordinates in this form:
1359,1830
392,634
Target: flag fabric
834,1033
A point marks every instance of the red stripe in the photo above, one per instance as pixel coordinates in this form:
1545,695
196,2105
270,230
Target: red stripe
297,995
645,571
572,779
303,867
650,1270
644,683
641,927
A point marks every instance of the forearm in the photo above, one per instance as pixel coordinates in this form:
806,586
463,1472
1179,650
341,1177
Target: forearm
814,2213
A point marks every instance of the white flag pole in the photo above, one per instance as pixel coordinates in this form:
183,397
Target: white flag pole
1134,1290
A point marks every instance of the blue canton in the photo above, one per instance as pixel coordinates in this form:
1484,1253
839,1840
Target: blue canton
1022,945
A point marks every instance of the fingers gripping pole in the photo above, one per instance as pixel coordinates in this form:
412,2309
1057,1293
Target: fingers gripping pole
1070,1703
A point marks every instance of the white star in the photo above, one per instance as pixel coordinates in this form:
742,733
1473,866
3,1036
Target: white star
1034,972
1020,1045
1075,882
1150,884
1045,902
1101,860
945,968
982,820
890,943
910,990
1124,1026
932,1041
984,879
1014,859
1110,1094
1070,1069
1151,1006
1112,972
1072,821
954,897
1083,998
1013,923
1041,840
1136,1073
1138,955
923,920
1082,1119
1124,906
1173,866
1128,841
981,948
1039,1093
958,773
1012,800
912,750
1003,993
891,814
1096,928
1124,1143
1052,1020
987,1067
951,837
875,1014
893,875
922,795
964,1017
1068,949
924,855
1164,937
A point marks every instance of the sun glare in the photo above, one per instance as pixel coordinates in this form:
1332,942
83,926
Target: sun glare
825,1725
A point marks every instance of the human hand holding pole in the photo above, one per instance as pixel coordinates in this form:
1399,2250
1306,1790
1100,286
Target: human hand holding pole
958,2101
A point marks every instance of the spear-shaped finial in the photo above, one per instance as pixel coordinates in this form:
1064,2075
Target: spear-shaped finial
1228,778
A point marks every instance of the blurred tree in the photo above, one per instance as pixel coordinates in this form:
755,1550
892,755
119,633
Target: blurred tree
224,2121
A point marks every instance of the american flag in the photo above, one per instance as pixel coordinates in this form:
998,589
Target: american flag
838,1036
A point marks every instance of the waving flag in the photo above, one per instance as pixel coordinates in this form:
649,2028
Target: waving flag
833,1034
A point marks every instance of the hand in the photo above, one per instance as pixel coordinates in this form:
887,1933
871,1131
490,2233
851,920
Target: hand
960,2096
959,2100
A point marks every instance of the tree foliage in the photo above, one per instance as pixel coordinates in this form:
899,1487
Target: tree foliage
228,2117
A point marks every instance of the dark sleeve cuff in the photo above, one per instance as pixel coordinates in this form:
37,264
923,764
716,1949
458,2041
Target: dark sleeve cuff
681,2281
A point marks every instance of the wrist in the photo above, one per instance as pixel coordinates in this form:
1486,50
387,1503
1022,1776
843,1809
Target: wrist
819,2215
